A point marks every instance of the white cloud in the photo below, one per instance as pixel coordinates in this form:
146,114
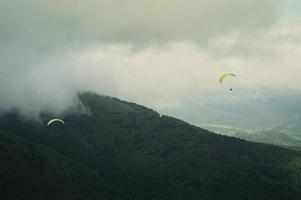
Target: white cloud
156,53
133,21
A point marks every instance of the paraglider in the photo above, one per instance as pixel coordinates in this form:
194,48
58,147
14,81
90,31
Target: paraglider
224,76
55,121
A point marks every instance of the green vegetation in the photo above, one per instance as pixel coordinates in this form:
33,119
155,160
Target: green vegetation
125,151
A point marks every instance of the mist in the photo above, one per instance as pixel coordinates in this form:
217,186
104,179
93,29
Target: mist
156,53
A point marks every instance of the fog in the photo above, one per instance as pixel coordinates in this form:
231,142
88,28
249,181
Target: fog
156,53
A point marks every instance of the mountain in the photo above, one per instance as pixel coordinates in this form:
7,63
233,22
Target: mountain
120,150
287,134
252,109
291,128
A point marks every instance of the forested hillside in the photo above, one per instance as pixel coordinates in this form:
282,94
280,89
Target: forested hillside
121,150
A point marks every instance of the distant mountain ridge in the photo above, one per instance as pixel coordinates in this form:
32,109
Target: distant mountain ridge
287,134
252,109
120,150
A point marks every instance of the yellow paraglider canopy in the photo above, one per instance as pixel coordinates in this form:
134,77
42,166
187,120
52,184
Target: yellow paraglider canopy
224,76
55,120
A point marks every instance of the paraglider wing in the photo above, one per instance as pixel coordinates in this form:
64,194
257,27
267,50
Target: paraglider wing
224,76
54,121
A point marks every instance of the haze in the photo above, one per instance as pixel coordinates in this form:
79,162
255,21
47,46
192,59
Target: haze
162,54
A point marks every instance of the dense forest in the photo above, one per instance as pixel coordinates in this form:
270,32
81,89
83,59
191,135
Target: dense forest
120,150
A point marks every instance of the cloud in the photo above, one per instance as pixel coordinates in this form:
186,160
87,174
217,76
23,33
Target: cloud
157,53
134,21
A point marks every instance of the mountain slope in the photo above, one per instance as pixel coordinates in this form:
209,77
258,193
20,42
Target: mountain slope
122,150
287,134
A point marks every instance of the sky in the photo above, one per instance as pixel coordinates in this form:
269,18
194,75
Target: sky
159,53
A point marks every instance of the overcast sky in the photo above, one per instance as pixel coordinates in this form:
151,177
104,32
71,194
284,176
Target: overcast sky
157,53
